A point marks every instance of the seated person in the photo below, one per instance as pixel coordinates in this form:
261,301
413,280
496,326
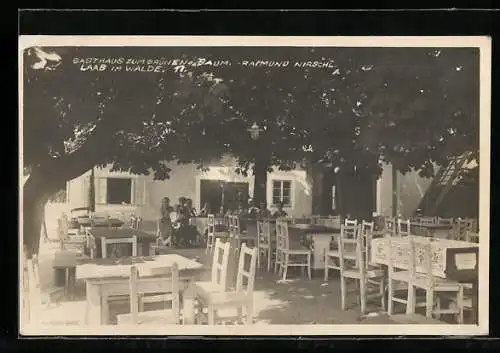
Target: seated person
253,210
189,209
205,210
280,212
263,211
165,228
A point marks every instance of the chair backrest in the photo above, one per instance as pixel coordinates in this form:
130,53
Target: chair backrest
230,224
236,225
472,225
428,220
91,245
136,288
245,279
367,232
391,225
348,231
441,220
211,220
350,222
264,232
282,240
351,245
137,223
472,237
315,219
404,228
100,218
109,241
220,263
459,229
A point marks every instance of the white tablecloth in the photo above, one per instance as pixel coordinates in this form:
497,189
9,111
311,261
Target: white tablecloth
401,252
146,268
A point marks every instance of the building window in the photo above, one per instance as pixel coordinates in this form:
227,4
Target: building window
282,190
119,191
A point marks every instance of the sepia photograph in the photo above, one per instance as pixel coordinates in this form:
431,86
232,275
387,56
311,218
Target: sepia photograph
202,185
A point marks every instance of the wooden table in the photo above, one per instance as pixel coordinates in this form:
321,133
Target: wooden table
444,254
320,238
431,228
112,222
110,277
143,238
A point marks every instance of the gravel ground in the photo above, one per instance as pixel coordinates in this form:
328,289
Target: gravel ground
294,301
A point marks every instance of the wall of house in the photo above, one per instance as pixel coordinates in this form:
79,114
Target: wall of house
184,181
411,189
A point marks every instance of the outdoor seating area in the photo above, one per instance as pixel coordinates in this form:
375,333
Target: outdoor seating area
188,187
328,270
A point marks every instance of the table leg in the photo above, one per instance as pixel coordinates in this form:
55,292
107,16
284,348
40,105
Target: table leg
188,297
104,309
93,305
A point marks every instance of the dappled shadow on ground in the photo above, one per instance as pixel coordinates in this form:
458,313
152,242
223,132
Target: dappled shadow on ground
295,301
301,301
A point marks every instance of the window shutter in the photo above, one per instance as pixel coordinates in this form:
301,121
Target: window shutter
138,185
101,191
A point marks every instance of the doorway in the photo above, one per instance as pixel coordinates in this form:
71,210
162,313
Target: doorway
217,192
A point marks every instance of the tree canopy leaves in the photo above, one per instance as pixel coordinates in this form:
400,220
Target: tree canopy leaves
345,106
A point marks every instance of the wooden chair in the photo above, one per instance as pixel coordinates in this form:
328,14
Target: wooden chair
404,228
350,222
218,280
71,242
391,225
137,316
357,269
111,241
427,220
332,257
99,218
458,230
447,221
331,221
472,237
46,308
66,228
400,280
367,229
240,298
212,233
137,223
290,255
242,236
265,244
427,282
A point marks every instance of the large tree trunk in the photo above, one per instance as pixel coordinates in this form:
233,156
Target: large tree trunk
36,193
260,180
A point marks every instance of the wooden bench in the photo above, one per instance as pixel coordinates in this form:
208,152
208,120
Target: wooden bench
414,319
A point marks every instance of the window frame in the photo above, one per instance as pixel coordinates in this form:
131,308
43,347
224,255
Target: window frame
290,197
131,191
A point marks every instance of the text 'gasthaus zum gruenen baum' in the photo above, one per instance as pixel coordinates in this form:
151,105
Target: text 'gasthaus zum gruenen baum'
159,65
